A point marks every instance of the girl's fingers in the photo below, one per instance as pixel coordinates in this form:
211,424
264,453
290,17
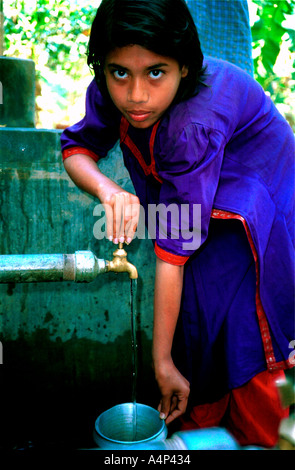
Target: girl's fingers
109,221
119,215
178,409
165,406
174,402
171,407
131,217
122,215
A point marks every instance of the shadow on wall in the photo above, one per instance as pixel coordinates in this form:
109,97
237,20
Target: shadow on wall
52,392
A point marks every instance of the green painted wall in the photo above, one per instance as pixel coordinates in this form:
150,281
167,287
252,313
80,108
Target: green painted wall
66,346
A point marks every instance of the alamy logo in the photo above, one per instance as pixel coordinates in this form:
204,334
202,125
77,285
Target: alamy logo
176,222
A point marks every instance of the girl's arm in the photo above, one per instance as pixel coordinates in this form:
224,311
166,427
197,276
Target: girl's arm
121,207
173,386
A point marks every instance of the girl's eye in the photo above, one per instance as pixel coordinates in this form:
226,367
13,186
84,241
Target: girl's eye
156,73
120,74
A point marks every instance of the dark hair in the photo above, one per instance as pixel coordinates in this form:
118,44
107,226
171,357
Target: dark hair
164,27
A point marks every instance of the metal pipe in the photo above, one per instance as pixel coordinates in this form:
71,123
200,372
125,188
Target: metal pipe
82,266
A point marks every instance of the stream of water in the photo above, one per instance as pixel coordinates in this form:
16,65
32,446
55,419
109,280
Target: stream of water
133,289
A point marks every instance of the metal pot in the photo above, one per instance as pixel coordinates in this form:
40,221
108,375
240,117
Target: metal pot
128,424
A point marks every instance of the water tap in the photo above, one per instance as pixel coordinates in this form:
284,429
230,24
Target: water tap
119,263
81,266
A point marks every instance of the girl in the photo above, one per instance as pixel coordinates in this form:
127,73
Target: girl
196,132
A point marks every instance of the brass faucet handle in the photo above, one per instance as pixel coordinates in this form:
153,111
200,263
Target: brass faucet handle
120,252
120,264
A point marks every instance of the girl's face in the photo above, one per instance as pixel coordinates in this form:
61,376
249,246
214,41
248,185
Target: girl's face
142,84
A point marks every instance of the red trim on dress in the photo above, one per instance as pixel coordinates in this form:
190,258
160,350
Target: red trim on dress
138,155
152,142
124,138
75,150
124,125
170,258
272,365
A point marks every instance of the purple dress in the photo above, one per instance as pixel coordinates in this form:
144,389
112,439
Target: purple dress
230,152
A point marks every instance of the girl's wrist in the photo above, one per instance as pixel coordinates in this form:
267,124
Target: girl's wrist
161,360
163,368
104,188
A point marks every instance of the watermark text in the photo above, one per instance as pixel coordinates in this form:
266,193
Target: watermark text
175,222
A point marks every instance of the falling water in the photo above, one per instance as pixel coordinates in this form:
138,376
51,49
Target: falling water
133,289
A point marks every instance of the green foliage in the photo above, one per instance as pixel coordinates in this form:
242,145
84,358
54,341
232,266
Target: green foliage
58,29
55,33
269,32
274,52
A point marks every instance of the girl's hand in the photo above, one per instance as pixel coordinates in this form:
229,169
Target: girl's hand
174,389
122,208
122,213
173,386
